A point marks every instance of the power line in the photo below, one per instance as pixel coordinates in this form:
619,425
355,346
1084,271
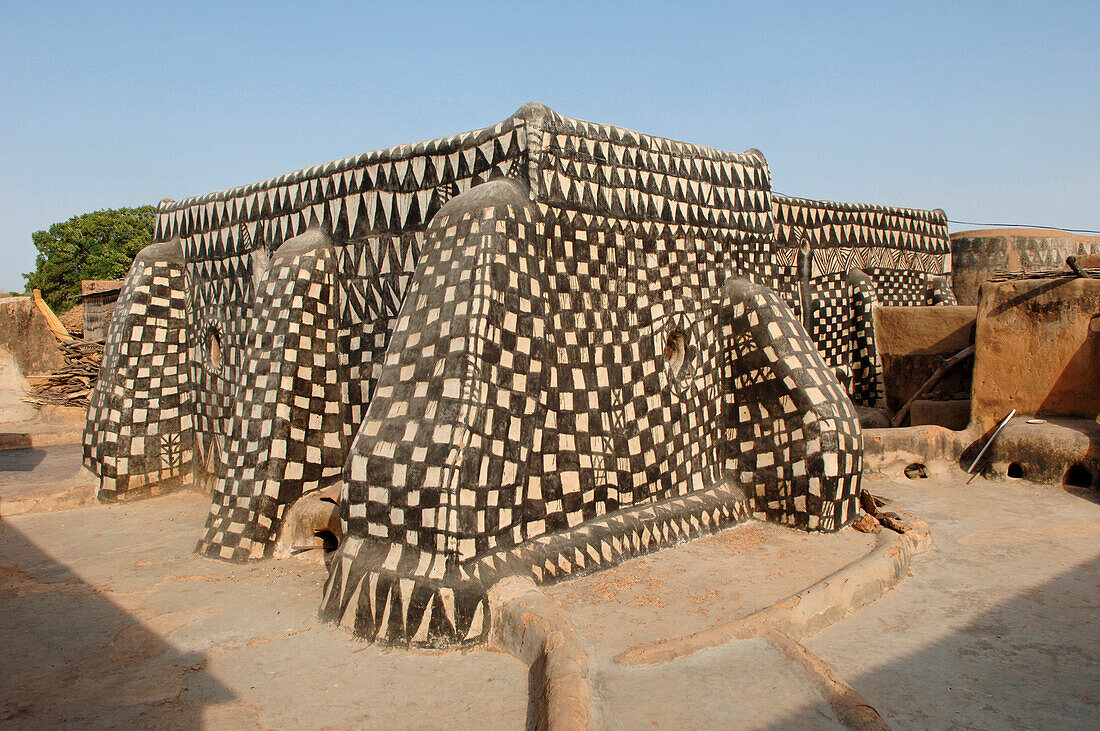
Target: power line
1025,225
991,225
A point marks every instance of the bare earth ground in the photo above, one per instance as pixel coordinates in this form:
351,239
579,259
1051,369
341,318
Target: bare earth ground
998,625
107,619
701,583
37,479
28,472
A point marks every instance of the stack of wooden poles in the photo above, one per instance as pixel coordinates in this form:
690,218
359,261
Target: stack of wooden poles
71,385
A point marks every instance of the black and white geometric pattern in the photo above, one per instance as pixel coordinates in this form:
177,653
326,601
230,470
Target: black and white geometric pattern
530,386
939,291
379,591
793,431
522,366
288,433
139,438
373,206
856,236
868,387
904,251
530,349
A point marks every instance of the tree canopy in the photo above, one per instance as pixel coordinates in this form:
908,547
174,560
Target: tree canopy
97,245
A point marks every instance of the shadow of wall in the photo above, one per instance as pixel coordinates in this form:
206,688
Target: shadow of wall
1024,663
72,656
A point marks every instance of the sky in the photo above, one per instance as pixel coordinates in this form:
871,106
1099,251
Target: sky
990,111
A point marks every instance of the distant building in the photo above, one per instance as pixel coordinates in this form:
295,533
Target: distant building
99,297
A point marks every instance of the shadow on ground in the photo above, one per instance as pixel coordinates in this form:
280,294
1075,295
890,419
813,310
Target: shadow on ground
72,656
1015,666
15,461
991,630
107,619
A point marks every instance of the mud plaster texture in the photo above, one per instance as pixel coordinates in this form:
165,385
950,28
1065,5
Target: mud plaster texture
914,341
533,348
975,255
48,428
954,414
41,479
700,584
109,621
991,628
1037,350
498,341
24,332
13,389
741,684
1045,453
113,624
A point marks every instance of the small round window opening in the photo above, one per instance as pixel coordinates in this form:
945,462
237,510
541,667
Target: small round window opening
214,350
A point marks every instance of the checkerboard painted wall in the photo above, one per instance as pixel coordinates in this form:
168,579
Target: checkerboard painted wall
537,348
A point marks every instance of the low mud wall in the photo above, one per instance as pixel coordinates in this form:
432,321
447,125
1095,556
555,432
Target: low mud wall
25,334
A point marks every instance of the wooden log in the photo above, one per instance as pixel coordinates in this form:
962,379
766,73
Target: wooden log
59,330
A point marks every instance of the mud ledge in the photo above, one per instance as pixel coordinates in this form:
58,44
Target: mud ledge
813,608
64,498
17,436
530,626
1042,453
888,451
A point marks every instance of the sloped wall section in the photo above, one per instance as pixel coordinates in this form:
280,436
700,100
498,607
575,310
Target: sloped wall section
140,437
792,432
289,430
507,436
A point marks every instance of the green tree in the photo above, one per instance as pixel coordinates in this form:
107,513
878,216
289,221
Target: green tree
98,245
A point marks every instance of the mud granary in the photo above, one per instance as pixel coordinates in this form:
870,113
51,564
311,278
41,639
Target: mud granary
538,348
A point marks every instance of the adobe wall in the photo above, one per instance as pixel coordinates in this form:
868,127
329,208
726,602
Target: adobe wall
897,256
1037,349
13,388
914,341
537,348
24,333
98,300
977,254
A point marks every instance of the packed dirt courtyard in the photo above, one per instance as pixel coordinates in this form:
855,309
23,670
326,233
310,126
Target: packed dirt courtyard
108,619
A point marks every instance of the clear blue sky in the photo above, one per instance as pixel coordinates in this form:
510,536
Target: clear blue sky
990,111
